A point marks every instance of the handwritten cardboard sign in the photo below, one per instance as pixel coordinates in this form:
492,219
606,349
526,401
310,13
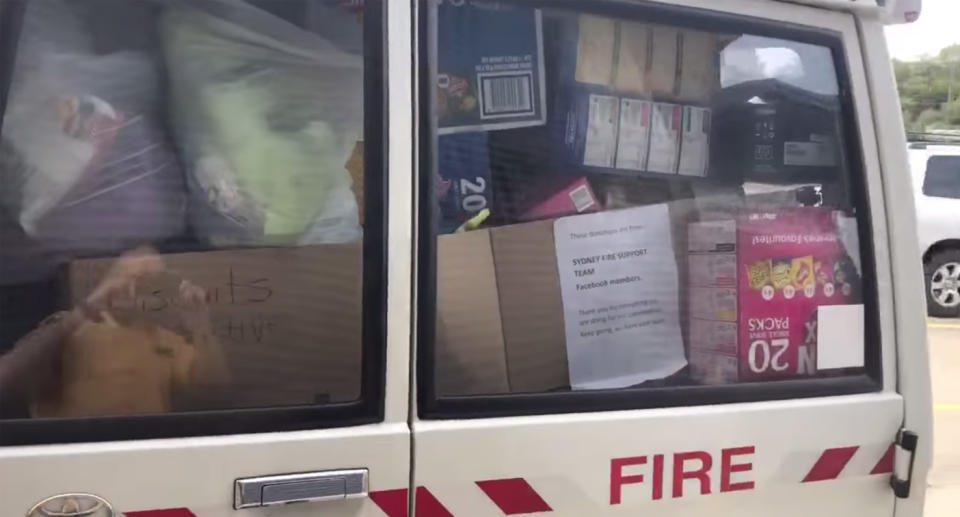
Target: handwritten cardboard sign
289,319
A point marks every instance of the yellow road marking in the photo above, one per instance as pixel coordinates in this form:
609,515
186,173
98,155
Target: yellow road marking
943,323
945,406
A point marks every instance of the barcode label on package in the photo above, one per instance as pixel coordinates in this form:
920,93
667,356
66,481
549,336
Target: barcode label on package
505,94
581,198
490,67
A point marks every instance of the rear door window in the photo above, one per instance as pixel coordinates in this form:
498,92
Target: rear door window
665,207
188,232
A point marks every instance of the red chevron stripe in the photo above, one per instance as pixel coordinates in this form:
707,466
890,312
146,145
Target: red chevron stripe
885,465
170,512
514,496
428,506
394,503
831,463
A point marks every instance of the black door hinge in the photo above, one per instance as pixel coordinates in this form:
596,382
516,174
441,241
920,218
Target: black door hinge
907,442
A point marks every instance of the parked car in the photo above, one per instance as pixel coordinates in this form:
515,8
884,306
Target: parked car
936,184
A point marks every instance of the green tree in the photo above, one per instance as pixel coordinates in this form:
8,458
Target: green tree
930,90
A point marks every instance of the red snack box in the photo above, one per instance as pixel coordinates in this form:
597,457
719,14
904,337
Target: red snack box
788,263
574,198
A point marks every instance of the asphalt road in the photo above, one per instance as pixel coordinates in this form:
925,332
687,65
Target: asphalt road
943,492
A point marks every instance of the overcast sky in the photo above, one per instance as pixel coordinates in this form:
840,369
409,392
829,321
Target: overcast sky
938,27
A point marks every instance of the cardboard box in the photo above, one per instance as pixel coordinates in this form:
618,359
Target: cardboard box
622,56
490,67
662,61
595,47
470,355
789,265
648,60
633,67
502,311
500,315
288,319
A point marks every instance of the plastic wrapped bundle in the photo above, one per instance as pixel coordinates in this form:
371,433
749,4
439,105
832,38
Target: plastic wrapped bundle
266,115
83,162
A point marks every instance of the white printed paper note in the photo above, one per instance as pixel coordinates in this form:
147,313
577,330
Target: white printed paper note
840,336
618,281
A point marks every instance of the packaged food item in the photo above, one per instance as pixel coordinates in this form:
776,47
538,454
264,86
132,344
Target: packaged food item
664,138
608,73
790,263
266,115
589,136
662,60
575,198
463,186
627,57
699,76
84,162
780,273
490,71
634,134
694,142
633,67
596,45
760,274
801,272
824,275
715,269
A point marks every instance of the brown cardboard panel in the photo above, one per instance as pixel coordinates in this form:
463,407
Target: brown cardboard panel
632,59
531,307
470,344
699,76
288,319
595,49
662,63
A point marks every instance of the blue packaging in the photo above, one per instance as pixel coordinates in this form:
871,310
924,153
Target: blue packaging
590,126
490,67
584,116
462,185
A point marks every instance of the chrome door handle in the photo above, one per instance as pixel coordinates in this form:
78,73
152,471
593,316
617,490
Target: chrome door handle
328,485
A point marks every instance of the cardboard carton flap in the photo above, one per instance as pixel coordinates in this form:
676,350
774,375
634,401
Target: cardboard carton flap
469,346
531,306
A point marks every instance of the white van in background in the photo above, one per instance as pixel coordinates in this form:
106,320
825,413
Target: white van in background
935,168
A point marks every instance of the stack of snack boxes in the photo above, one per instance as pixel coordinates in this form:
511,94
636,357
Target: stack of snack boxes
631,95
756,282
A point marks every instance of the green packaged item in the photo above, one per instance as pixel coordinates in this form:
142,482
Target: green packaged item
266,114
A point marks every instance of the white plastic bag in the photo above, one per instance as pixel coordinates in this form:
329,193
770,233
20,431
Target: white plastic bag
83,163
